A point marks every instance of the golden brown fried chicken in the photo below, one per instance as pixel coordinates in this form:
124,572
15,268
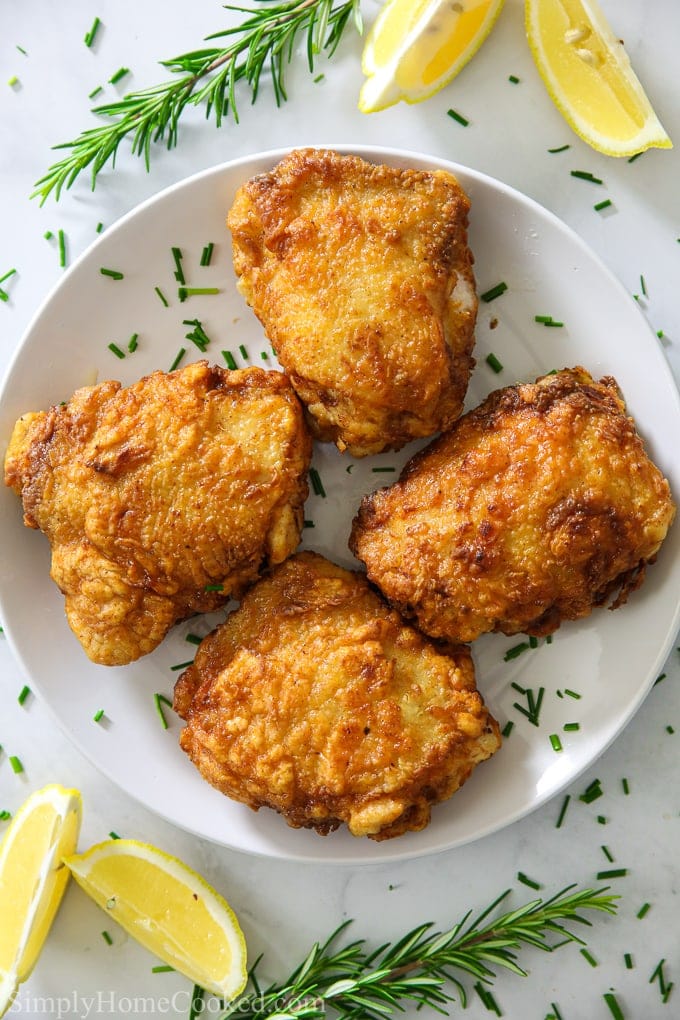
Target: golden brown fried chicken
315,699
162,499
362,278
536,507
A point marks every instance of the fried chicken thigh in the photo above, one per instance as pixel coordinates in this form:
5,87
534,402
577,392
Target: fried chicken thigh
315,699
162,499
536,507
362,278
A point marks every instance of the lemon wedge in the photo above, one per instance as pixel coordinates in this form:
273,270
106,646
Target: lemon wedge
168,908
589,77
33,880
417,46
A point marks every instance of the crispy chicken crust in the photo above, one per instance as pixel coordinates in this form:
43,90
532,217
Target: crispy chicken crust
362,278
536,507
315,699
150,494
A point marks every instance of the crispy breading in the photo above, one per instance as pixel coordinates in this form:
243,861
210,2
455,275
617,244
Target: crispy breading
362,278
151,494
536,507
315,699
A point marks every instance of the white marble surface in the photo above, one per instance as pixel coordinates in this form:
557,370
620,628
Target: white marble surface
284,906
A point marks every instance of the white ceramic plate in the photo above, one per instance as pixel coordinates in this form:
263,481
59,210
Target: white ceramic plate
611,659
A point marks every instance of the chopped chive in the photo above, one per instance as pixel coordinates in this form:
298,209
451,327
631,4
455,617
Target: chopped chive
6,276
107,938
612,873
95,92
229,358
113,835
179,272
614,1007
198,335
643,286
561,148
4,296
525,880
555,742
98,715
589,957
507,729
592,792
159,709
317,484
162,296
184,292
458,117
15,762
601,820
308,524
206,254
608,854
604,204
264,356
24,693
494,363
115,349
571,727
494,292
514,79
182,665
563,811
515,651
572,694
5,815
533,641
197,1002
90,36
628,959
383,470
660,334
120,73
626,787
213,587
243,352
643,911
319,77
99,227
585,175
549,638
533,709
636,155
48,235
62,247
556,1013
115,274
22,50
516,687
132,343
180,354
547,320
162,968
193,639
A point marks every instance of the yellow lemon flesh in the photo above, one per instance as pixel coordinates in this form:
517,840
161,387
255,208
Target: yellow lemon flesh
417,46
169,909
33,879
589,77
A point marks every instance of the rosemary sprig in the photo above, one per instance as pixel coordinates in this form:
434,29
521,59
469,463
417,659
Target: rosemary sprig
421,967
206,76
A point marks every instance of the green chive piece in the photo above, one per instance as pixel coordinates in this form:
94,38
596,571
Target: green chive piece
98,715
317,484
230,360
179,272
22,50
120,73
115,274
533,641
115,349
494,292
669,729
507,729
547,320
198,335
516,687
243,352
514,652
99,228
383,470
562,148
643,287
525,880
197,1002
601,820
95,92
113,835
162,296
636,155
4,296
644,909
6,276
608,854
628,959
90,36
549,638
571,727
514,79
162,968
493,362
614,1007
585,175
319,77
626,787
193,639
458,117
264,356
533,707
107,938
132,343
572,694
5,815
159,709
604,204
589,957
182,665
24,693
213,587
612,873
556,1013
555,742
184,292
15,762
62,248
206,254
563,811
48,235
592,792
308,523
180,354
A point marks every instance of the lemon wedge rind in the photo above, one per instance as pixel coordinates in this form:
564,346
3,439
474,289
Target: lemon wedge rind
167,907
590,78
